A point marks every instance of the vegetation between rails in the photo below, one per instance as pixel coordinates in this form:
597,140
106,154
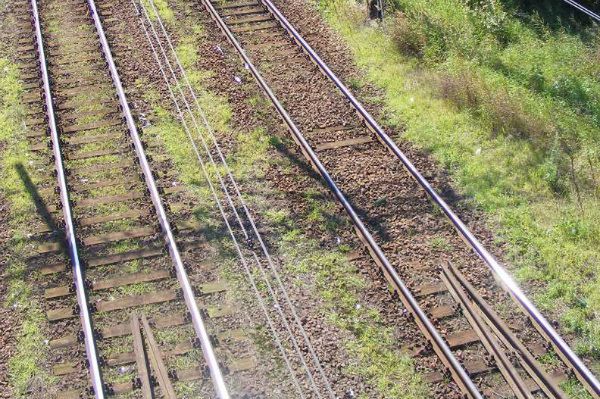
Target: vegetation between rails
508,100
337,284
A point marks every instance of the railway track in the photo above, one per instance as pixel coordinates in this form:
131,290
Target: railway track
115,235
482,355
107,227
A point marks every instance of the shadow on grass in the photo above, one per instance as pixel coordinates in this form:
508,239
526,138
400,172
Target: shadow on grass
556,14
40,205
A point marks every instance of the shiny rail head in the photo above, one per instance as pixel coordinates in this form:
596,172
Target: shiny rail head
182,276
583,9
461,376
508,282
78,274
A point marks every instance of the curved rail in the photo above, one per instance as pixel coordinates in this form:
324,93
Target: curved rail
437,341
82,298
580,369
182,277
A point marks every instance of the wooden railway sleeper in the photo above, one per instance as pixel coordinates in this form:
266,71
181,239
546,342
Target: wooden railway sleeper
545,328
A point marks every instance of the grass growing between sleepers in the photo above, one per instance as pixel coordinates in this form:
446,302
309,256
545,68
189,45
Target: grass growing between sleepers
507,99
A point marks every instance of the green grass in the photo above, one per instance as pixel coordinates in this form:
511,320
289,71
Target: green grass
163,9
369,342
509,105
379,361
24,368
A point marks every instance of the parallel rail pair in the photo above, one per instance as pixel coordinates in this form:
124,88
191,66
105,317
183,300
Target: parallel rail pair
440,346
69,225
406,296
583,9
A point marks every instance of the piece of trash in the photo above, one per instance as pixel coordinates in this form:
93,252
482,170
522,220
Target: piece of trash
145,121
237,79
358,306
478,151
338,240
219,49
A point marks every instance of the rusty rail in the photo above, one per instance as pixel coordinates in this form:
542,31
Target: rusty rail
438,343
543,326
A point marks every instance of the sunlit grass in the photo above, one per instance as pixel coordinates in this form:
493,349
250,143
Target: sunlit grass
509,108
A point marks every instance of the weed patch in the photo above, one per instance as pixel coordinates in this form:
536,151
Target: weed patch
508,104
25,373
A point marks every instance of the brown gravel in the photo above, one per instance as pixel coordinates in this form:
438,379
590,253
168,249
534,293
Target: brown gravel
406,226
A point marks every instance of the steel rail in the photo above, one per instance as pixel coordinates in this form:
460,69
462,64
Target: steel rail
218,201
508,371
438,343
530,364
182,277
78,272
583,9
247,212
508,283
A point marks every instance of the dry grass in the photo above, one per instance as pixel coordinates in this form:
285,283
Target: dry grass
408,40
505,114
